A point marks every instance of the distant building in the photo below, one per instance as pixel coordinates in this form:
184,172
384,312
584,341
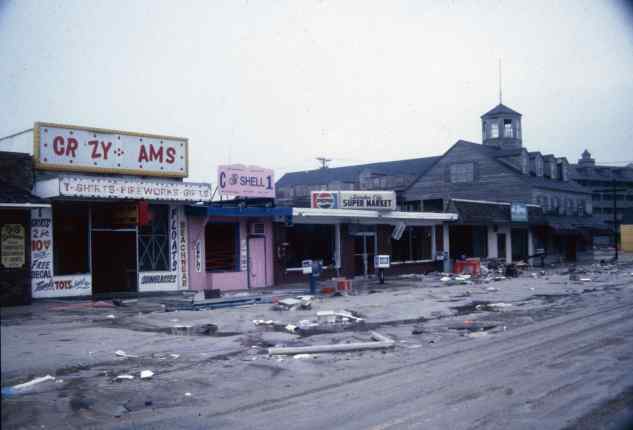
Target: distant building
601,180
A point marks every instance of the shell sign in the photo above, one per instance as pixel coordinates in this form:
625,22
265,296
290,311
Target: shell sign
246,181
83,149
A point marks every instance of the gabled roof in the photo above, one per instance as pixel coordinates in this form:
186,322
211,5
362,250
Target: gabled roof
498,154
350,174
500,109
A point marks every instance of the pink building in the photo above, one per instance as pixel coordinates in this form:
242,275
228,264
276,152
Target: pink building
231,248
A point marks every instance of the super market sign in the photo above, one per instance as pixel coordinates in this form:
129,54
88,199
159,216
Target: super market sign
370,200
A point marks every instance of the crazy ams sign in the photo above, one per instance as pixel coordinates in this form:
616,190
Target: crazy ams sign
83,149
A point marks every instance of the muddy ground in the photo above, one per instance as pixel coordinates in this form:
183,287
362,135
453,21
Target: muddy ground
213,365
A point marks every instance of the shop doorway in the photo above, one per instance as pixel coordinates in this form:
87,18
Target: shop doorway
257,262
114,268
519,244
364,251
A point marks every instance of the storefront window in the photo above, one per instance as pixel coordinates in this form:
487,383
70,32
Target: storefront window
414,245
70,239
310,242
153,240
222,247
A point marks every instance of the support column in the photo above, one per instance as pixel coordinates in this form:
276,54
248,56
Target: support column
433,243
337,248
509,246
531,249
446,248
493,249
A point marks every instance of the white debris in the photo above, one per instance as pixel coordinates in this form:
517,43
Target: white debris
291,328
585,279
336,316
290,302
478,334
146,374
110,316
445,279
174,356
188,394
120,353
124,377
500,305
33,382
300,356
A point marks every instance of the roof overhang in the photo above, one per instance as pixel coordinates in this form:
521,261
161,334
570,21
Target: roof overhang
351,216
252,212
24,205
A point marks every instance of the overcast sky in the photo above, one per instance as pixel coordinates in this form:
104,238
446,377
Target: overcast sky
278,83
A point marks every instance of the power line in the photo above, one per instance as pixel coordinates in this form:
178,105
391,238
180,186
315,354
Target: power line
15,134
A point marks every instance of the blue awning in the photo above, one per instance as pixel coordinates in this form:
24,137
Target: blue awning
255,212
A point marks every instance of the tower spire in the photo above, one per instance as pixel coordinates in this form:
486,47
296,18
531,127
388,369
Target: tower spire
500,84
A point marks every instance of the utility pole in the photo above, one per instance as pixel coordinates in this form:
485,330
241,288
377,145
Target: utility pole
615,214
323,162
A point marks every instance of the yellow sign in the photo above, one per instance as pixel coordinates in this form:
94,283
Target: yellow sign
12,248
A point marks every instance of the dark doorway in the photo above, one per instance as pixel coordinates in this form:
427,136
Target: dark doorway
501,245
519,244
570,251
15,270
114,261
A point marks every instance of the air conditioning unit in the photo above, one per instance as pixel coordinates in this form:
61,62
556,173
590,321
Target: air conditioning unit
258,228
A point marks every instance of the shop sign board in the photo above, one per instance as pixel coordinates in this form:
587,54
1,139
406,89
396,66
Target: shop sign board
324,199
372,200
85,149
157,281
519,212
369,200
246,181
75,186
12,238
42,251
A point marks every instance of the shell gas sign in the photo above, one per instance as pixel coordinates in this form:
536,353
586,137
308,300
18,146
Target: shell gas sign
246,181
83,149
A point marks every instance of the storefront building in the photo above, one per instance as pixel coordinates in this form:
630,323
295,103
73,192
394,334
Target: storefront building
117,221
231,240
345,230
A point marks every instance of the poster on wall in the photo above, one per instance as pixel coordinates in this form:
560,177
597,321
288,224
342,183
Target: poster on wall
42,251
158,281
12,249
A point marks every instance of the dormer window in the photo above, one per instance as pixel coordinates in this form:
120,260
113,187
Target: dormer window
507,128
539,166
494,130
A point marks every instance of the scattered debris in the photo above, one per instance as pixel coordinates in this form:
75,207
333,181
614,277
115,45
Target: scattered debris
146,374
382,342
477,334
126,302
16,389
123,354
334,317
301,302
124,377
110,316
300,356
187,394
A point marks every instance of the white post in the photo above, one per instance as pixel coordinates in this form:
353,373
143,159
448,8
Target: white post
337,248
509,246
433,243
446,248
493,249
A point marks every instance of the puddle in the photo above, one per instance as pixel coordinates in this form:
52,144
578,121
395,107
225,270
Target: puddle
472,307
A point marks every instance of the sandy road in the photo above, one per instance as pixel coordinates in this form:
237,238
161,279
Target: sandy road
545,375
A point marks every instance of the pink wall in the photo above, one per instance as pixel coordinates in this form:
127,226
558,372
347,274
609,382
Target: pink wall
226,280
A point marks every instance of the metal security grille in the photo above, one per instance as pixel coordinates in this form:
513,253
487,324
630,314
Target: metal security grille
153,240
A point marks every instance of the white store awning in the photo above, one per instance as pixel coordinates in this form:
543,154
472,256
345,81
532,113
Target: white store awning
351,216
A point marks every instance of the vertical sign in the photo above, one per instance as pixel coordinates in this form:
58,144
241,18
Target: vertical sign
184,269
41,251
198,256
244,256
173,239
